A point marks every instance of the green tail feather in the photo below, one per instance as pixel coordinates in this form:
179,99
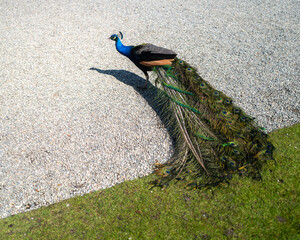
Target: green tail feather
214,138
205,138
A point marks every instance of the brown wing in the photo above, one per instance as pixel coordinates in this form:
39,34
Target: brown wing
151,55
157,62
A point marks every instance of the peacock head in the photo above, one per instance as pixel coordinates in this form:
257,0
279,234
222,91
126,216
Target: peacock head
116,37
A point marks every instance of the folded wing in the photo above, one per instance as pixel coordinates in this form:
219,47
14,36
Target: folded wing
151,55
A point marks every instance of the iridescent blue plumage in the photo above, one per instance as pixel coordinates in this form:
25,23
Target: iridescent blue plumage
124,50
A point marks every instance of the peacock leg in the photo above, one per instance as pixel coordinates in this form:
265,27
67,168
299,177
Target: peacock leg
146,82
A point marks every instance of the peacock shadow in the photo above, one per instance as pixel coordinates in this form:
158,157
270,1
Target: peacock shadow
150,94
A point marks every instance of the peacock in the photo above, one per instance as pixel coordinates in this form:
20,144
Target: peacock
213,138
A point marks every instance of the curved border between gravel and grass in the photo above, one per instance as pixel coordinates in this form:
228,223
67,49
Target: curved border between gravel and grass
245,209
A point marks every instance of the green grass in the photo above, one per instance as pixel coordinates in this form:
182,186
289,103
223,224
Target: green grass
245,209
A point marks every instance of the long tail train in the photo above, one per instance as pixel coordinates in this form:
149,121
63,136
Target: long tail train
214,138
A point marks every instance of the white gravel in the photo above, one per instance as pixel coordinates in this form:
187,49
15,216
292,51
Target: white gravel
66,130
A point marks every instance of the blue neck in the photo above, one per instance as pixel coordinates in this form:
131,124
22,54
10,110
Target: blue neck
124,50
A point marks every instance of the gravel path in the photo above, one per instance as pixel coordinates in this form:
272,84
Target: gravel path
66,130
